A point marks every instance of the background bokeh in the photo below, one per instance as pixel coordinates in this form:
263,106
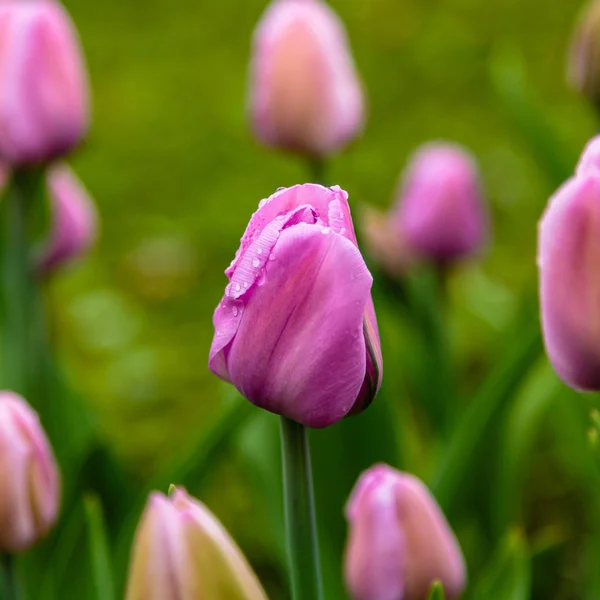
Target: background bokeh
176,173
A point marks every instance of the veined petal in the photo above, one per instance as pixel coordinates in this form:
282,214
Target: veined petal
299,350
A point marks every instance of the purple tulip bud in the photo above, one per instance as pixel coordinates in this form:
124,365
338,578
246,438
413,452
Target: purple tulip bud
399,540
74,219
305,95
590,158
583,66
568,259
43,83
181,551
440,211
296,331
29,480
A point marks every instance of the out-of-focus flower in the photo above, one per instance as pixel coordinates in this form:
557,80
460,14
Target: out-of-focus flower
74,219
399,540
440,211
305,95
182,552
583,66
29,480
43,82
569,270
590,158
296,331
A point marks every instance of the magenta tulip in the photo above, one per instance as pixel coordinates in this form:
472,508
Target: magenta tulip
590,157
440,211
74,219
569,260
305,95
296,331
399,541
43,82
29,480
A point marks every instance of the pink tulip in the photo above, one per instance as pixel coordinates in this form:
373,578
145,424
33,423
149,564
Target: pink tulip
181,552
74,219
305,95
43,82
399,540
440,210
296,331
590,158
29,480
569,260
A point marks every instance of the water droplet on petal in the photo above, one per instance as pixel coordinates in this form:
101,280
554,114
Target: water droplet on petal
343,231
272,256
238,287
255,262
280,188
246,284
325,230
259,251
234,310
262,203
341,215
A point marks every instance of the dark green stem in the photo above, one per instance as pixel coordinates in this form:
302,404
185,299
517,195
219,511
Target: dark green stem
300,519
10,588
317,169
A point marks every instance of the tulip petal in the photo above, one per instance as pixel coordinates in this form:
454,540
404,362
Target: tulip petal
569,252
306,323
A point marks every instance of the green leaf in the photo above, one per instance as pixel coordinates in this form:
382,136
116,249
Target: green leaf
508,574
437,592
98,547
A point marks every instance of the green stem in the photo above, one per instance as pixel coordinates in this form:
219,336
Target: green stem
300,521
317,169
10,588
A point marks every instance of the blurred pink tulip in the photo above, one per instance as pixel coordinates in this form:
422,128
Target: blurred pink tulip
29,480
43,82
181,552
440,209
590,158
305,95
569,270
74,219
399,540
583,65
296,331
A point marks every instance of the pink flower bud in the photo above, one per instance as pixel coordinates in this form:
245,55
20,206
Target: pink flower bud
590,158
399,540
43,83
583,67
74,219
181,551
296,331
568,261
305,95
29,480
440,211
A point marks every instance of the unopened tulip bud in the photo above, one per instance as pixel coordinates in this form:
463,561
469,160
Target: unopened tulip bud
305,95
590,158
440,209
74,219
182,552
399,540
569,270
43,83
583,68
296,331
29,480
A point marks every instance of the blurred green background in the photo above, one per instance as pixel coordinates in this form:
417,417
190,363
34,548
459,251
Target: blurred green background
176,174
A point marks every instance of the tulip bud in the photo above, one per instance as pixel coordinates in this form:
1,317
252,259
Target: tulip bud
43,83
74,219
583,67
590,158
305,95
440,212
568,261
182,552
29,480
399,540
296,331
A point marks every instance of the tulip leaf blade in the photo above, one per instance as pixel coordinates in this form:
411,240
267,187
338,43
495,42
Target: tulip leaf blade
102,575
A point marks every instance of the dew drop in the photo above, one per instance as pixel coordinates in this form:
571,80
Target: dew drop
280,188
343,231
262,203
325,230
255,262
234,310
259,251
246,284
238,287
272,256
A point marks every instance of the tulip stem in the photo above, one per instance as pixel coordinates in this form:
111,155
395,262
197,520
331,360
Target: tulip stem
317,170
300,519
10,588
